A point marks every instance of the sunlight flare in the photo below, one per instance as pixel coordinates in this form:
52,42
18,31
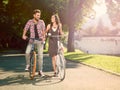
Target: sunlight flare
100,8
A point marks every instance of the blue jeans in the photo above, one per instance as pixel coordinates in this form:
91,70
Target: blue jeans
39,46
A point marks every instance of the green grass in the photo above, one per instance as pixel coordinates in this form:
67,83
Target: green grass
105,62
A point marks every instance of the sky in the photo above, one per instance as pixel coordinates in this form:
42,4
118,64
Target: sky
100,14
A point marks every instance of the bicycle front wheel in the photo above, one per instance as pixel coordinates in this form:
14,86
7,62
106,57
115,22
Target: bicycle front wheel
61,66
32,65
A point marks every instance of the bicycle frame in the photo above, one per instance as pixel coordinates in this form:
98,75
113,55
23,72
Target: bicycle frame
32,62
60,62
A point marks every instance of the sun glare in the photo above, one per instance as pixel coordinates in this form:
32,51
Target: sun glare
100,8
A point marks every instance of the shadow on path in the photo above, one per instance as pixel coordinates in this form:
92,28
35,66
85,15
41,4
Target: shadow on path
12,71
22,79
16,63
12,63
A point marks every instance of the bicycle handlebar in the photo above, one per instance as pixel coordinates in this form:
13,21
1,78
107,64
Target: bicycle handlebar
49,34
33,39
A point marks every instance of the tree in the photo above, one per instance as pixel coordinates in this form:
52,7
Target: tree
76,10
113,10
70,47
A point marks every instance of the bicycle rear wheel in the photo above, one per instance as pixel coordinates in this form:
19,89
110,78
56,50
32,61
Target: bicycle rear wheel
32,65
61,66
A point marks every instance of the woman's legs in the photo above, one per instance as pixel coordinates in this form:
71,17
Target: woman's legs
54,63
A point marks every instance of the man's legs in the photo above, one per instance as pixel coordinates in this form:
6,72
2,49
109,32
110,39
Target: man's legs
40,56
27,55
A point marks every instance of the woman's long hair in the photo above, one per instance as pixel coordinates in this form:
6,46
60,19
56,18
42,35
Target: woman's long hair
57,19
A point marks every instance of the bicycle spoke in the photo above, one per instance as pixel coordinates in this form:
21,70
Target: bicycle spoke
61,66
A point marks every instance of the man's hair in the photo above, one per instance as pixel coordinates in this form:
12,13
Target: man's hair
36,11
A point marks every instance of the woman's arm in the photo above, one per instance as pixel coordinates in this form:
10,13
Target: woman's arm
60,27
47,29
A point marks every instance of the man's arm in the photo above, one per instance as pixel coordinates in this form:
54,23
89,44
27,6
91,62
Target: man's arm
27,26
24,35
43,29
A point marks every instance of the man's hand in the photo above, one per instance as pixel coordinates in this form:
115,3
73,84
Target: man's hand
24,37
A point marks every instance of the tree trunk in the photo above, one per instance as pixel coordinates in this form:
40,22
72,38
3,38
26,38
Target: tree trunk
70,47
70,20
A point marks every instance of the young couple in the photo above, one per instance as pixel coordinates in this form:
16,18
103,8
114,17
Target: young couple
37,30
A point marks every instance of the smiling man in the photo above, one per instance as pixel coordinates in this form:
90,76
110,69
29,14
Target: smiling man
36,27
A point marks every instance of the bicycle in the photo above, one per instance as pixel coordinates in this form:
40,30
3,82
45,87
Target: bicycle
60,61
32,68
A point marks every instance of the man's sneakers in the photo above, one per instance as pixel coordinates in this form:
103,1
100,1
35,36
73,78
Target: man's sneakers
27,67
41,74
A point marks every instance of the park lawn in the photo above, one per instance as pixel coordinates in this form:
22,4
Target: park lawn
105,62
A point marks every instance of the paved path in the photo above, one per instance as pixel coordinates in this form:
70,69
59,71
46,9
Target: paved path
78,77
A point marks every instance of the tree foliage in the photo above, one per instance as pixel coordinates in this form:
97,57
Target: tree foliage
113,10
15,13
